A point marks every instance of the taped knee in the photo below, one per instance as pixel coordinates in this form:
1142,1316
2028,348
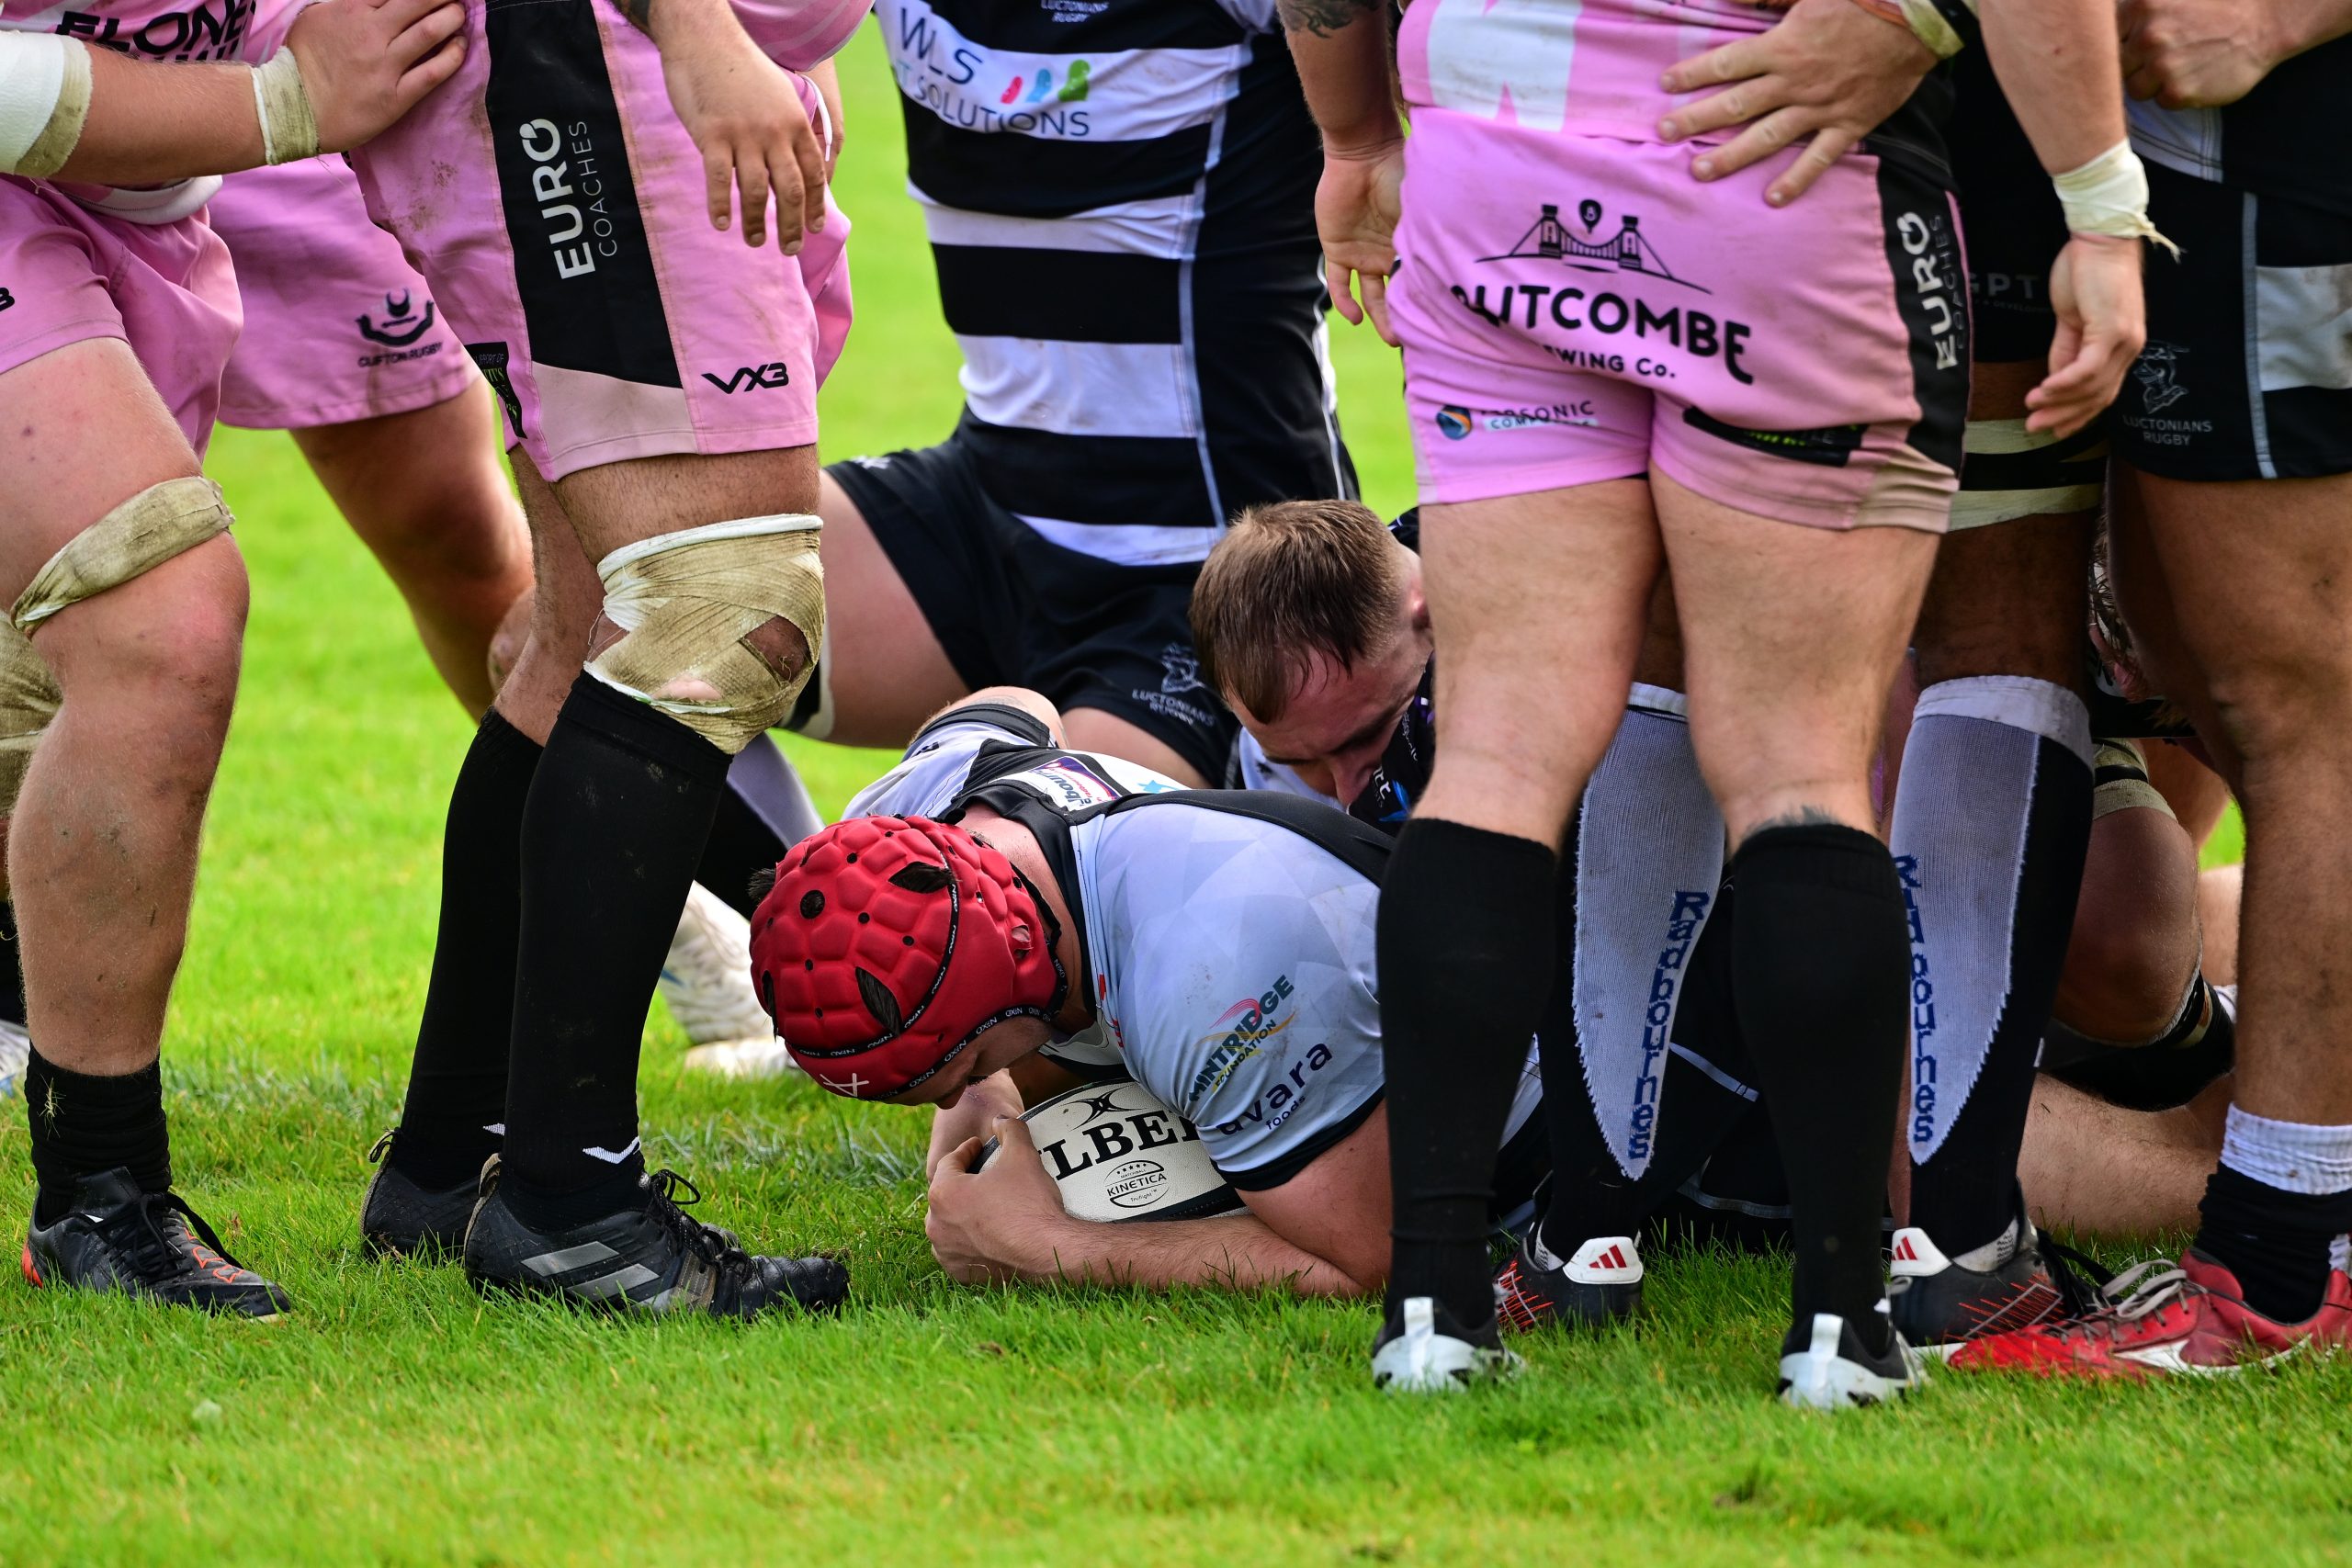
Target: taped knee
148,529
2120,775
2012,472
687,604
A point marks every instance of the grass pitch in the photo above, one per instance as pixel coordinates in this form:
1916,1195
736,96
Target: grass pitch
395,1417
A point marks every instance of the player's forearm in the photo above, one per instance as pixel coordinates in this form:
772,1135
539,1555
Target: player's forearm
1340,48
2300,25
1234,1252
681,24
151,123
2058,67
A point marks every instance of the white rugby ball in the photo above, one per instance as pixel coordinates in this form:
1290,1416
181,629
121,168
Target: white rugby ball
1117,1154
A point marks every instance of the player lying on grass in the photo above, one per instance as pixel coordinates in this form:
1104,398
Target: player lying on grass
119,663
999,919
1312,625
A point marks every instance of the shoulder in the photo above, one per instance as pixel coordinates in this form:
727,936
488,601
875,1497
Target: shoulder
941,761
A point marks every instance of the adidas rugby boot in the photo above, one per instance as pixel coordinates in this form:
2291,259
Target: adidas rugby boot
649,1256
114,1236
1601,1284
402,1219
1826,1366
2191,1320
2017,1279
1422,1350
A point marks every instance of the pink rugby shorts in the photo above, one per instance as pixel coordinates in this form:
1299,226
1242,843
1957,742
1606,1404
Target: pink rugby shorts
554,202
1574,308
68,274
338,326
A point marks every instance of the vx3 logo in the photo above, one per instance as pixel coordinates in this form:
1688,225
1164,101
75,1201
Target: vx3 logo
752,377
402,326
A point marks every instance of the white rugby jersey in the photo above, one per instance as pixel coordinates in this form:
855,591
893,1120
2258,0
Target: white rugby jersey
1120,199
1230,958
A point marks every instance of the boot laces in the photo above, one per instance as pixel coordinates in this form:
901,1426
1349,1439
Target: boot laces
141,1229
713,1245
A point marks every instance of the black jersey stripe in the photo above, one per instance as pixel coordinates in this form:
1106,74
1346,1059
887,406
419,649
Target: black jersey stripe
1060,296
1080,27
1039,176
1154,480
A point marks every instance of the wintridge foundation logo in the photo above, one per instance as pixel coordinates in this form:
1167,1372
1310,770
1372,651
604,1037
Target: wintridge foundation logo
1627,250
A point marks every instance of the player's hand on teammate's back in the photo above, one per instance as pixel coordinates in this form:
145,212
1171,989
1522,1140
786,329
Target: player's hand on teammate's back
2102,325
744,111
2198,54
999,1224
1828,69
366,62
1357,204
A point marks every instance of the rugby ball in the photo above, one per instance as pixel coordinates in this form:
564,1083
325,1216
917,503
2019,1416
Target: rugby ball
1117,1154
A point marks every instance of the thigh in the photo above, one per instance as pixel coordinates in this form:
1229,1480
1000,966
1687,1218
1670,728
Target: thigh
1538,604
425,480
885,670
613,504
1791,639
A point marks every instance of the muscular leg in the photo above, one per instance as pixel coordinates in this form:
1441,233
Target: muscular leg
2099,1169
2254,574
103,843
885,671
1791,637
1538,602
424,490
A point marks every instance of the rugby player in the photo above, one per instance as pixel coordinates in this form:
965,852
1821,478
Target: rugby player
566,196
121,652
1683,422
1120,204
996,904
2232,459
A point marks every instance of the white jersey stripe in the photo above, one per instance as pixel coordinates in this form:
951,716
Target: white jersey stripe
1082,388
1162,228
1129,544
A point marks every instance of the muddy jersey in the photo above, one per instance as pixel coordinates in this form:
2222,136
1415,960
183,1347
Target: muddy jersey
1230,957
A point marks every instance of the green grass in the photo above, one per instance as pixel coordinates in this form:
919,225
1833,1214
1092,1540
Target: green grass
395,1417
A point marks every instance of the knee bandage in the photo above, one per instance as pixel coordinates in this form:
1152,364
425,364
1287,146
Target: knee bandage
148,529
686,605
2012,472
2119,775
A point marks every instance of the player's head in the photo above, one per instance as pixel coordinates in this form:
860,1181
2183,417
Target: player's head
1310,622
899,958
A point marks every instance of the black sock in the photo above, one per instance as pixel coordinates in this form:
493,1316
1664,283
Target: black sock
2200,1044
1964,1195
618,815
1591,1194
12,967
740,844
82,1125
1821,966
2275,1242
457,1085
1465,953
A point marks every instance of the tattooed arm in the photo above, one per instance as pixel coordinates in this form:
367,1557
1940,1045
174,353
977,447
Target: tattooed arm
1341,49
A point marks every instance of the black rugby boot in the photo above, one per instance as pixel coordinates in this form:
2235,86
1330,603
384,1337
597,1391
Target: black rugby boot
649,1256
402,1219
1827,1364
114,1236
1421,1349
1601,1284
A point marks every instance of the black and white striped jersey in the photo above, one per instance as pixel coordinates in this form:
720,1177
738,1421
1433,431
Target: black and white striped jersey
1120,195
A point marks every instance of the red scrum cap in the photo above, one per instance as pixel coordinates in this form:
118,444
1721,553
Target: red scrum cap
887,945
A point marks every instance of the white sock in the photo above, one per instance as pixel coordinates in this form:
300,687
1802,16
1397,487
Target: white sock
2293,1156
1649,856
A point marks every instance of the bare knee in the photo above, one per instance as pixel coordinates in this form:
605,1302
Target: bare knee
160,652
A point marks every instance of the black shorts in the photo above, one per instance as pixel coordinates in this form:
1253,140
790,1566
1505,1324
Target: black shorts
2247,374
2009,220
1011,608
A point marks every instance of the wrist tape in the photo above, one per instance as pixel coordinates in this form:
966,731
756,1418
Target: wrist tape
1946,26
288,129
2109,195
44,98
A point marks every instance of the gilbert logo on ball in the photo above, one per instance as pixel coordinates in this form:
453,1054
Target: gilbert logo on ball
1117,1154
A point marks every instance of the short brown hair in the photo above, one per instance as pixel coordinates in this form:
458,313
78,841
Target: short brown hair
1289,581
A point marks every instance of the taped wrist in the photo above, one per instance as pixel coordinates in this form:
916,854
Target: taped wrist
289,129
2109,195
148,529
687,604
44,98
1946,26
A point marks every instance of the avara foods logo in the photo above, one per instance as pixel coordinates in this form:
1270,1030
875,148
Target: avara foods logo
1240,1031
